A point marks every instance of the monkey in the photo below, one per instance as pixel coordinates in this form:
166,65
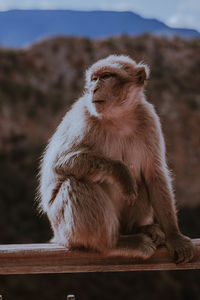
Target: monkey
104,172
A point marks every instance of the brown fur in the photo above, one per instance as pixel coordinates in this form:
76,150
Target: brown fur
108,174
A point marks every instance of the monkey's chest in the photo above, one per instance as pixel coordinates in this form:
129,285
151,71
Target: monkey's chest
112,148
129,151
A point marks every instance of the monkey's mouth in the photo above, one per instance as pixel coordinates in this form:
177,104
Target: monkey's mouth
98,101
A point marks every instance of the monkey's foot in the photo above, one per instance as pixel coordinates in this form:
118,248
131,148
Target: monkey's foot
154,232
180,248
139,246
147,247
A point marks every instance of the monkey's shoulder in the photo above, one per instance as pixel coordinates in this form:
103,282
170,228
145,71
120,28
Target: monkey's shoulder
147,118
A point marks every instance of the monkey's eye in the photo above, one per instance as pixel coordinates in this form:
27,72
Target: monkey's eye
106,75
94,78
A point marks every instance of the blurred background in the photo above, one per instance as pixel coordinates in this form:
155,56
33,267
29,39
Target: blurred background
45,47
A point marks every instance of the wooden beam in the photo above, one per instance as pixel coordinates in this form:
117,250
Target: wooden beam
52,258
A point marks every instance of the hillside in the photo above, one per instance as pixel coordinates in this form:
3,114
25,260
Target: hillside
36,87
19,28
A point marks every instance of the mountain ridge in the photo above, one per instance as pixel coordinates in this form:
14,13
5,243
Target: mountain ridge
19,28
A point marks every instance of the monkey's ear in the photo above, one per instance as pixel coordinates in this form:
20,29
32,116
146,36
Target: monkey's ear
142,73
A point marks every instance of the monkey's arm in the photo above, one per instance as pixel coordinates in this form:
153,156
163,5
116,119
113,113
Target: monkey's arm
97,168
163,202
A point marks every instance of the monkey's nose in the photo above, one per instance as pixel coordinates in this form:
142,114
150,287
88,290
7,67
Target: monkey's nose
95,90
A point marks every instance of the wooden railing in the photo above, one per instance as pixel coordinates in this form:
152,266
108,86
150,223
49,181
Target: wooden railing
51,258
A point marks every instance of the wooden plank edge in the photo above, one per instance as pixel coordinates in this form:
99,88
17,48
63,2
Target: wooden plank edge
52,258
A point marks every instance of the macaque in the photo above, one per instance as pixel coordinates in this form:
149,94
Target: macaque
104,172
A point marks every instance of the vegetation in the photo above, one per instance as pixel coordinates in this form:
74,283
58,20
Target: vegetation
36,87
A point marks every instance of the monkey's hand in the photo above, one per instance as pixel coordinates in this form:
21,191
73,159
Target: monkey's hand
180,247
126,181
130,195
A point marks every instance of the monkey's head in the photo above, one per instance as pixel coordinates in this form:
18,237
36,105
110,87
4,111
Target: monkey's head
114,83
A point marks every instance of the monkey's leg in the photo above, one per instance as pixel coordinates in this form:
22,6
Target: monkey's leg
141,214
140,217
162,199
83,216
140,244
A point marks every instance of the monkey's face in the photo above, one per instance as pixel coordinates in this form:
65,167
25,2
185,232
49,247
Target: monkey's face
110,92
106,88
113,84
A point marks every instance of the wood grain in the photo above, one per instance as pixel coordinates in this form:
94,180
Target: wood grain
52,258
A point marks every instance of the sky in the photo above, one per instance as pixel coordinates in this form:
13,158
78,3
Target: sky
175,13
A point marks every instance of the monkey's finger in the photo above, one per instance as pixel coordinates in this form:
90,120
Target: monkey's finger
179,255
131,200
158,239
188,254
153,246
192,252
171,251
135,190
